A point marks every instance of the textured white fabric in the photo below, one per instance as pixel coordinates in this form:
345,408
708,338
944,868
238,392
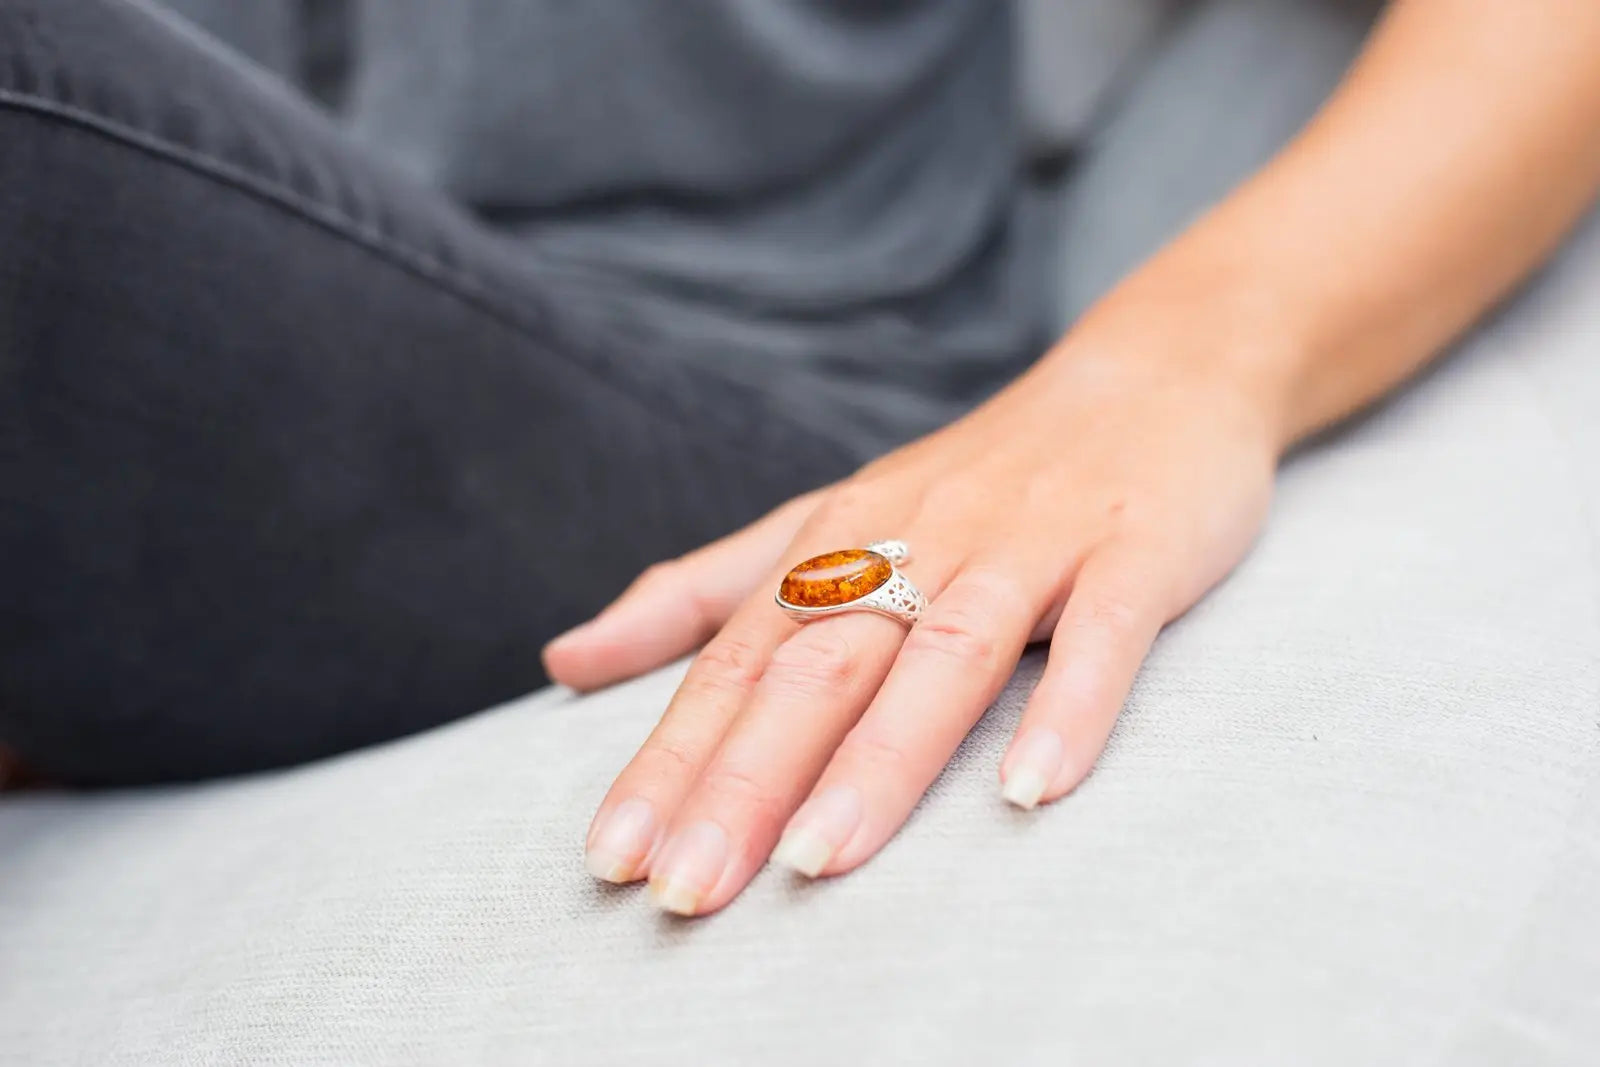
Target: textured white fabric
1351,815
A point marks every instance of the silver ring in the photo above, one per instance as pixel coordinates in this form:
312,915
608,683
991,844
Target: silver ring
853,579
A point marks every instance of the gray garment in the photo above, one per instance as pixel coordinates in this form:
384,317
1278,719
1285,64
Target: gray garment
825,184
1350,815
416,467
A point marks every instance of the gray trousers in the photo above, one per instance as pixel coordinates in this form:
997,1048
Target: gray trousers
295,455
1351,814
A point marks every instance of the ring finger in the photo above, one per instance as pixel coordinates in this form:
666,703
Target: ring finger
814,689
951,668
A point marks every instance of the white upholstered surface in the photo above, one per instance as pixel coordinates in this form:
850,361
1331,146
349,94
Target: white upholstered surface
1352,815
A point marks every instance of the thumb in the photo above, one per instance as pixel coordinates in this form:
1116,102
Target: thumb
674,607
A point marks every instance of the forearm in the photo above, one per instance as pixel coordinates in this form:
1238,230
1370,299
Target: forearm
1461,147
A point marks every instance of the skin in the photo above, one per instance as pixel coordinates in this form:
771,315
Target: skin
1108,489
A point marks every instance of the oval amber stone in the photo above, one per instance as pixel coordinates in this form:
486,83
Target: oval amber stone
834,578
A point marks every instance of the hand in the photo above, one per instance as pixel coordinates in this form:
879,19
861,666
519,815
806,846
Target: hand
1090,503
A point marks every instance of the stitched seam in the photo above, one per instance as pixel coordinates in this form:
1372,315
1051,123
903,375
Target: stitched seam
427,268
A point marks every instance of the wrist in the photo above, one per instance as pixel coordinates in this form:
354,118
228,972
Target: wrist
1215,326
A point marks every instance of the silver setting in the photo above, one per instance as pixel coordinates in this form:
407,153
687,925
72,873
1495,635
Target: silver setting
896,552
898,598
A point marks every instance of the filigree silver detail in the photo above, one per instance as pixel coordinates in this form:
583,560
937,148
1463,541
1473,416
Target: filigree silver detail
896,552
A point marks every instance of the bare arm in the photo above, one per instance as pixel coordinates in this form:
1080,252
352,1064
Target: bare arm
1461,147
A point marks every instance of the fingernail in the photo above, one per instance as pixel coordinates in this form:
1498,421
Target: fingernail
622,841
1035,762
690,867
819,830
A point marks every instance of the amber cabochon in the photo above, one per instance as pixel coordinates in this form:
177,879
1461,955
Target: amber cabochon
835,578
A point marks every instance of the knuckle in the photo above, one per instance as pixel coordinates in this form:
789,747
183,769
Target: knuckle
1117,612
955,634
988,592
842,510
879,756
816,658
955,496
1041,495
727,663
733,787
665,761
963,623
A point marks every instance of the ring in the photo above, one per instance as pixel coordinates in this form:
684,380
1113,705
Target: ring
853,579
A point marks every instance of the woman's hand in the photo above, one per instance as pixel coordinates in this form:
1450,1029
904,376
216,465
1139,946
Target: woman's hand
1111,486
1091,502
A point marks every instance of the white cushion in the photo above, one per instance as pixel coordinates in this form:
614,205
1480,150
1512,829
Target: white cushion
1351,815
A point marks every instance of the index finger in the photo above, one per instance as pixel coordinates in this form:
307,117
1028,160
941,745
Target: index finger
638,805
674,607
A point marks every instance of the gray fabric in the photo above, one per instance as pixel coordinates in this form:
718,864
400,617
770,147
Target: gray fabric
1352,815
1074,55
824,183
293,457
269,32
1171,151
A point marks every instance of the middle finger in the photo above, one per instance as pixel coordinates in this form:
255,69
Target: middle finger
815,688
952,666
